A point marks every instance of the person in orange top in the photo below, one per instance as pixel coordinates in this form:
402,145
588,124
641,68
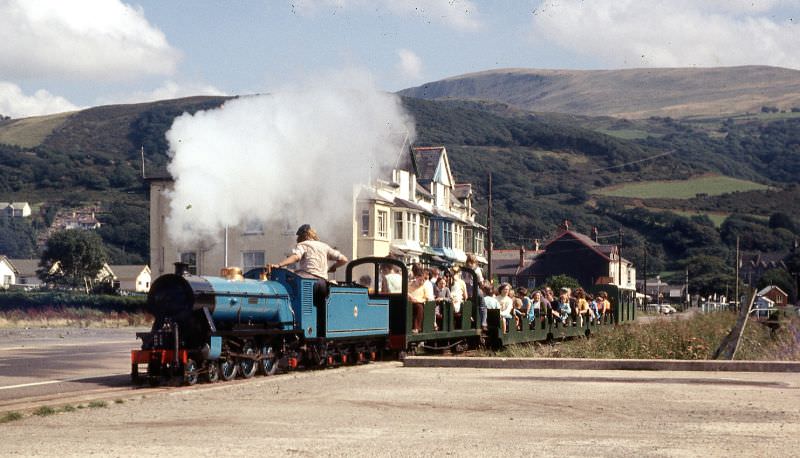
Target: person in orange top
418,295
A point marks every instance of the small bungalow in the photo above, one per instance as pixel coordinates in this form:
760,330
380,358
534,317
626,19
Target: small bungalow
26,272
8,273
132,278
778,296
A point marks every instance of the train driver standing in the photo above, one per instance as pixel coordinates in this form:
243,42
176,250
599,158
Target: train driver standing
312,254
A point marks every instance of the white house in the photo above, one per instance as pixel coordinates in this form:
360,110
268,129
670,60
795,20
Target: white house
8,273
15,209
419,214
26,272
133,278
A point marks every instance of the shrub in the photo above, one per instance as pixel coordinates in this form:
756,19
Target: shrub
10,416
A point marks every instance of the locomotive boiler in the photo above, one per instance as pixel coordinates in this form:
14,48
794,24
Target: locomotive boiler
221,327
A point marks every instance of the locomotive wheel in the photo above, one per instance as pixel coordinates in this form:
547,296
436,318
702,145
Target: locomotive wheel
268,364
135,377
247,367
212,376
227,369
190,372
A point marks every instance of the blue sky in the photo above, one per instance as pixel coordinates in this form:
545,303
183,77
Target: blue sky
59,55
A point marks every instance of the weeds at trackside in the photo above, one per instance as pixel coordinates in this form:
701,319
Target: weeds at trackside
10,416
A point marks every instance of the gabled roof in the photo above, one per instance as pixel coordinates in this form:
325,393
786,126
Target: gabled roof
26,267
10,264
427,160
603,250
768,289
582,239
128,272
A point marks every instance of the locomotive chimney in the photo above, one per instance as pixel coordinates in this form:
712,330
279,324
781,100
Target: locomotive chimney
181,268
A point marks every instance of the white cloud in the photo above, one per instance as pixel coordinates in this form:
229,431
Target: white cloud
96,39
15,103
168,90
457,14
679,33
410,65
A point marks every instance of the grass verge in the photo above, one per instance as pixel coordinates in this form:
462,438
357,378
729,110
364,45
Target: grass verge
685,339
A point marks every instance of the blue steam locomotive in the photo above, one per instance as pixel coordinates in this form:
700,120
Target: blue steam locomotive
211,328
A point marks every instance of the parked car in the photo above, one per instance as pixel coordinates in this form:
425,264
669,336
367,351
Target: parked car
667,309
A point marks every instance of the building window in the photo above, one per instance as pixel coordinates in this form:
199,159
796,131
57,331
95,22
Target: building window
448,234
190,259
411,225
469,240
253,228
480,249
383,224
398,225
424,230
6,280
252,259
436,233
364,223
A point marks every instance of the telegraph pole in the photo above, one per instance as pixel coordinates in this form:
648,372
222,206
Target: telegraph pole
736,297
644,288
619,261
489,228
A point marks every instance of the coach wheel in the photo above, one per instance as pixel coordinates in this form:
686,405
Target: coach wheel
268,364
247,365
549,338
212,376
190,372
587,332
227,369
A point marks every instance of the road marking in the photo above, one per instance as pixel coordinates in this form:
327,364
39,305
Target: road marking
85,344
51,382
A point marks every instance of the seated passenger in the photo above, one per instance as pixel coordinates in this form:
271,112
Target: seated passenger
506,300
535,310
392,279
518,313
418,295
564,307
458,294
582,306
442,295
488,302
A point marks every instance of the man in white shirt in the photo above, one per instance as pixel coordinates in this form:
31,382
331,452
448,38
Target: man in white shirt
312,254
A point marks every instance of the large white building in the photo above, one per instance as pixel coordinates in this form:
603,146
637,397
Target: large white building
421,214
417,213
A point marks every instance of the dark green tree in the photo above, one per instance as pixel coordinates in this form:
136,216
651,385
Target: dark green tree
80,255
780,278
556,282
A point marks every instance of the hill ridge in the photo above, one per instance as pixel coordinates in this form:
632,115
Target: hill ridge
629,93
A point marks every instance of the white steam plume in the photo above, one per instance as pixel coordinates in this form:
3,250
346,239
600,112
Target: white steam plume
293,155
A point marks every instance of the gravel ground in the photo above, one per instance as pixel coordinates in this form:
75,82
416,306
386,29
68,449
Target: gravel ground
388,410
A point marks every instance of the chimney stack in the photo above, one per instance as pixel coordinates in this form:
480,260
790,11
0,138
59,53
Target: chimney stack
536,245
521,256
594,233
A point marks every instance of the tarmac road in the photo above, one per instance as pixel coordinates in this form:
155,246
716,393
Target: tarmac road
384,409
56,364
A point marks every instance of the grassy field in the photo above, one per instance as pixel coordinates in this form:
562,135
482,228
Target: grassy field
30,132
696,337
685,189
716,217
628,134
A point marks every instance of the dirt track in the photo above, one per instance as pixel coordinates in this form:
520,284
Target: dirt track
385,409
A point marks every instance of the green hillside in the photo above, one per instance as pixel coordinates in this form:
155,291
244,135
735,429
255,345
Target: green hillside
546,167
